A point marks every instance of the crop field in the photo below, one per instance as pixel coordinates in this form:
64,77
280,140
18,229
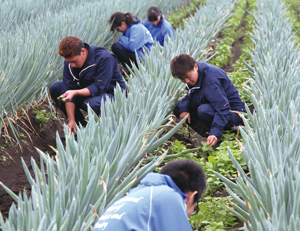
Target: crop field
51,179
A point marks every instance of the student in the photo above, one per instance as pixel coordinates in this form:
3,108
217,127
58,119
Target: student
210,100
135,38
162,201
158,26
90,74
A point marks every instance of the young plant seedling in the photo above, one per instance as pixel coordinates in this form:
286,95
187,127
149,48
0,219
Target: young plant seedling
61,98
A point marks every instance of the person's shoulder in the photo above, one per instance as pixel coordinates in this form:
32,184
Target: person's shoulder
147,23
167,24
164,192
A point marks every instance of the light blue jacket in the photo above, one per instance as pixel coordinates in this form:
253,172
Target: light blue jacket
160,31
135,37
157,204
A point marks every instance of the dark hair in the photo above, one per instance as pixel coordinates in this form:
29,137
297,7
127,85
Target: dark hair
187,175
117,18
181,65
70,46
153,13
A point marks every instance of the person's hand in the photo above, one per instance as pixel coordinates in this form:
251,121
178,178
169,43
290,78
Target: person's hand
212,140
68,95
182,115
72,126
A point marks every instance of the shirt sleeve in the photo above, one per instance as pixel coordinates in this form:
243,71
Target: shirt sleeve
103,76
219,101
136,39
168,30
185,104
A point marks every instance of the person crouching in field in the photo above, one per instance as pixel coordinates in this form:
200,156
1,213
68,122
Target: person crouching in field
90,74
135,38
210,100
162,202
158,26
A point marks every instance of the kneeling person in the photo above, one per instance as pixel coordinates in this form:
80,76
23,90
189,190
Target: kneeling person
210,100
90,75
162,201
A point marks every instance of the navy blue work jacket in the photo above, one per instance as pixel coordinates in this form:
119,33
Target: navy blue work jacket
215,88
100,73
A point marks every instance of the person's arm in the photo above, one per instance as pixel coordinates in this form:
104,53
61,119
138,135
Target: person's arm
185,109
136,39
168,30
219,101
68,95
70,106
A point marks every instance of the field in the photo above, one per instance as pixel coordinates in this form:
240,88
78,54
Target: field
252,162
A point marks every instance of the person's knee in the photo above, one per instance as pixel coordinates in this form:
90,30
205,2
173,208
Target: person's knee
205,110
176,110
55,90
115,47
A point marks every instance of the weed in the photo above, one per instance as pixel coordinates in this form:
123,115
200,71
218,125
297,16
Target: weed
7,139
4,158
213,215
22,136
42,117
177,147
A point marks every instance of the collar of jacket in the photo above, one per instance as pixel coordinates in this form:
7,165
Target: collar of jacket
198,83
89,62
156,179
128,28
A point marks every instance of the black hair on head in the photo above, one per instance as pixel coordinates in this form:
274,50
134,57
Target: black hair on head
187,175
153,13
180,65
117,18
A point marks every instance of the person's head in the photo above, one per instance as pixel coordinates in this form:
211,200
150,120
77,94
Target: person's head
154,15
185,68
189,178
73,50
120,21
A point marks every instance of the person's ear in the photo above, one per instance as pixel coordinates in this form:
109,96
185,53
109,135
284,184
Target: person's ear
196,66
123,23
82,51
189,200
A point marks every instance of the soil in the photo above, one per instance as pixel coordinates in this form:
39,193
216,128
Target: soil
36,135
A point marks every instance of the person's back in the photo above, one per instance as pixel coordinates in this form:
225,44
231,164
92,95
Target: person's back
158,203
138,36
142,208
212,75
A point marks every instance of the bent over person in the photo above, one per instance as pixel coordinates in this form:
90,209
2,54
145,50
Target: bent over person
158,26
211,98
135,38
162,202
90,74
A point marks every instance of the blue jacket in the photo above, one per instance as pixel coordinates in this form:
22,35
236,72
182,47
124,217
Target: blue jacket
135,37
100,73
160,31
213,87
157,204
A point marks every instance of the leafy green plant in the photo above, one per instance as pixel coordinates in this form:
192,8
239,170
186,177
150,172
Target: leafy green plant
42,117
177,16
4,158
213,214
177,147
